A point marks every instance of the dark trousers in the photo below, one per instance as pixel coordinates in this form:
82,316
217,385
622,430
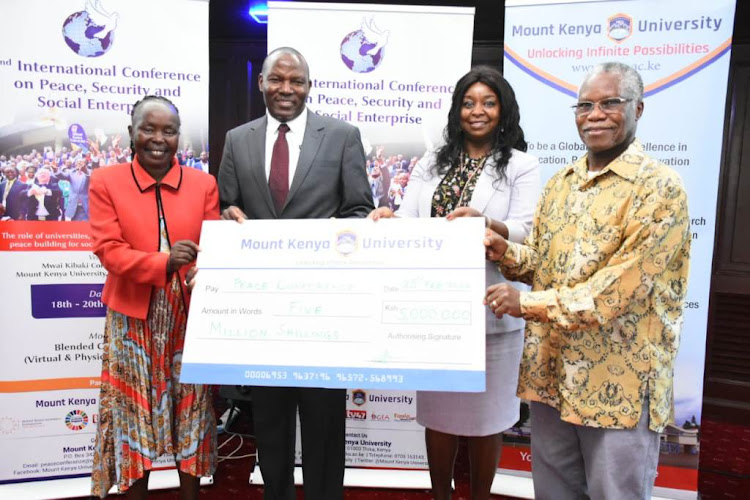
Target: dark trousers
322,418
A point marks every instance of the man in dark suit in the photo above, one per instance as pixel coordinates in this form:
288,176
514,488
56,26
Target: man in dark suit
43,197
11,203
294,164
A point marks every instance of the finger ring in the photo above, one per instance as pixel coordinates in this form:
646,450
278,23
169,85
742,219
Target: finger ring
494,304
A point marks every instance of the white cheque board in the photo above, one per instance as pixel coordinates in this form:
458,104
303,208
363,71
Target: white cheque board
393,304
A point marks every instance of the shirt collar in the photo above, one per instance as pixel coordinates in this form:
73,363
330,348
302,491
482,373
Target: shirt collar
295,126
143,179
627,165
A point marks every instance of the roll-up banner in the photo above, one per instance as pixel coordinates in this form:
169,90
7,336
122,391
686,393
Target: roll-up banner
389,70
681,49
70,72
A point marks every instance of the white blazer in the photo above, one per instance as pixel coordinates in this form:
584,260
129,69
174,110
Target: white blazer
511,200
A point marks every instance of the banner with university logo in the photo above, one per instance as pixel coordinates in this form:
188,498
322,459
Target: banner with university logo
681,49
374,67
71,71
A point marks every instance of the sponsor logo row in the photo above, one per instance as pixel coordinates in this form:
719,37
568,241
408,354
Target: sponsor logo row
74,420
379,417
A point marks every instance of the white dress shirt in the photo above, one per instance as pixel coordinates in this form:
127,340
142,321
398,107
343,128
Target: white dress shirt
294,137
8,185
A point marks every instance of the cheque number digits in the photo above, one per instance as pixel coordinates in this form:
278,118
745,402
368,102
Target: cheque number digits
265,375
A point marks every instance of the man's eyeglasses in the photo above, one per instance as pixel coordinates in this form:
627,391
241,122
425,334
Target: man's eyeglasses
609,105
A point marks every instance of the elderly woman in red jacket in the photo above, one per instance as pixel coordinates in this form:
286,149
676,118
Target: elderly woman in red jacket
145,221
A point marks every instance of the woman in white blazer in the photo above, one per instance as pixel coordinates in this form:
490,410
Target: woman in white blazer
480,171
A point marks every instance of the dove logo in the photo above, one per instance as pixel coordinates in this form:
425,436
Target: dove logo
363,50
90,32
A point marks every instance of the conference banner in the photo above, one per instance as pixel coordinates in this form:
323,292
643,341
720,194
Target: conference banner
70,72
681,49
374,67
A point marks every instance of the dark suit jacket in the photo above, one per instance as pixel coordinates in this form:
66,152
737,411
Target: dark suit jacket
14,204
385,185
51,202
329,181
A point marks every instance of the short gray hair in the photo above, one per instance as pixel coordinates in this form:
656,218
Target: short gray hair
631,83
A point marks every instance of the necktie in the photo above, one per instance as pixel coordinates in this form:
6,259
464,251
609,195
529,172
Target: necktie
278,178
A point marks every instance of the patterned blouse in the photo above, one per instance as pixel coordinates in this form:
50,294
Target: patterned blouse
457,185
608,260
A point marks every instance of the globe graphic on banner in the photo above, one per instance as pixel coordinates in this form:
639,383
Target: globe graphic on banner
84,37
355,50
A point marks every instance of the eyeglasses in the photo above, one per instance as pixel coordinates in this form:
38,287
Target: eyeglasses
609,105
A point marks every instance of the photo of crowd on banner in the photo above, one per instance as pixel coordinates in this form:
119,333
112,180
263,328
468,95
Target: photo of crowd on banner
388,177
52,184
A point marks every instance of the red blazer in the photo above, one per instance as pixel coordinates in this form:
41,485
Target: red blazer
125,227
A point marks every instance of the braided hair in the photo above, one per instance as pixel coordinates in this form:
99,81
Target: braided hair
137,112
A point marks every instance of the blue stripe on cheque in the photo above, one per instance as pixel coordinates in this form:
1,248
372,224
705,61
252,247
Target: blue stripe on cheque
334,377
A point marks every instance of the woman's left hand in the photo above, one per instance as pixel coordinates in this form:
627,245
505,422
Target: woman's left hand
464,212
190,278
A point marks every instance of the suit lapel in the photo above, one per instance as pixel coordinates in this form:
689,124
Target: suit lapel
314,133
431,182
256,145
484,190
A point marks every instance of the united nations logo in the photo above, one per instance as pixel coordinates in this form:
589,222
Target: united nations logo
346,242
359,397
619,27
76,420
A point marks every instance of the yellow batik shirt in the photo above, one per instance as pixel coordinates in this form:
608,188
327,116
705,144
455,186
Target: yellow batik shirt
607,259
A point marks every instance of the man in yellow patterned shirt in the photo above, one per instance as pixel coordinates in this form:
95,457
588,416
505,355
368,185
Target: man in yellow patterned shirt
607,259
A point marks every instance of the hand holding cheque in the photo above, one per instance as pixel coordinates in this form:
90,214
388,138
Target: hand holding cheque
501,297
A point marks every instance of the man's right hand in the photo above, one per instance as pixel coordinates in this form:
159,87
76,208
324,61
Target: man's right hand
233,213
381,213
495,245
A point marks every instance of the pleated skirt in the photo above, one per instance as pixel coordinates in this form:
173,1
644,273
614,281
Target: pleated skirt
144,412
